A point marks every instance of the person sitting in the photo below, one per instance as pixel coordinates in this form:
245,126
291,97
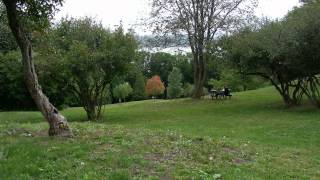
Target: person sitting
219,94
227,92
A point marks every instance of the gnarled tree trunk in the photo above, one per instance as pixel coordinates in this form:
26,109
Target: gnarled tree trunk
58,124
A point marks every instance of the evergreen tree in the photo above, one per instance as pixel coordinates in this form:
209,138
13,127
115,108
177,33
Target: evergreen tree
139,87
175,85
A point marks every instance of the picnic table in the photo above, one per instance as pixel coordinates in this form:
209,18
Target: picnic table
220,93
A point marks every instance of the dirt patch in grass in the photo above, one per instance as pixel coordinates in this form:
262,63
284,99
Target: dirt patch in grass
231,150
103,148
154,157
240,161
42,133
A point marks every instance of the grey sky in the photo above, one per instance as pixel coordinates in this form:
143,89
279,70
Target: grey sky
111,12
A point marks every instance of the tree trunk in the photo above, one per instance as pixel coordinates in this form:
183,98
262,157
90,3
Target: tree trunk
199,76
289,102
57,122
287,97
91,110
91,114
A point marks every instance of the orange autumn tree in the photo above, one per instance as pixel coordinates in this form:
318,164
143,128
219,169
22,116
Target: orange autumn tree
154,86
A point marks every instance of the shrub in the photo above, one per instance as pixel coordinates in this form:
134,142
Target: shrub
187,90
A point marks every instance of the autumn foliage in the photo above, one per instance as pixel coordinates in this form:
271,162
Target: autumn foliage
154,86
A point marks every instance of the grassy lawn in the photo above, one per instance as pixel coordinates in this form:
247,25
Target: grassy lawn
251,136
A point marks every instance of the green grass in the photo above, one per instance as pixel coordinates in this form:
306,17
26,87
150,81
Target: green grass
251,136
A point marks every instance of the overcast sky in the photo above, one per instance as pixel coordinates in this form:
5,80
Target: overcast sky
111,12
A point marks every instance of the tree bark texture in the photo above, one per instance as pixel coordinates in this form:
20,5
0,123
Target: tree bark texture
199,76
58,123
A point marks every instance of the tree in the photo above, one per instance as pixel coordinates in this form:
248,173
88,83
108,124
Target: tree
309,1
175,85
139,92
304,22
159,63
200,21
24,17
7,41
184,63
265,53
87,78
284,52
53,72
136,79
236,82
93,57
122,91
155,86
13,92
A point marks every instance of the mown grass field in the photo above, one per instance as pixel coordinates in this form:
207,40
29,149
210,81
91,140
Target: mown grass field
251,136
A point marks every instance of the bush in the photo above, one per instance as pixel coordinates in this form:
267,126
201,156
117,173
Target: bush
205,91
187,90
236,81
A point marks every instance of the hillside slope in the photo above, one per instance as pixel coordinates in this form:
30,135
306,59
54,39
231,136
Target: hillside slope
249,136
